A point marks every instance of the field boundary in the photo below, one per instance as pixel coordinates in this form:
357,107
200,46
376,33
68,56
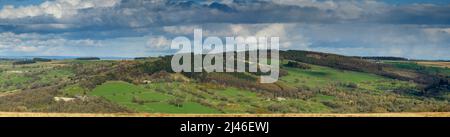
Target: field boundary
405,114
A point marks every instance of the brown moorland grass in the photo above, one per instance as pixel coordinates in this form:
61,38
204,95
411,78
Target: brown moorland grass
406,114
435,64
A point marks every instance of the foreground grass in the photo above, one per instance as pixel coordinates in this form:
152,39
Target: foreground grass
406,114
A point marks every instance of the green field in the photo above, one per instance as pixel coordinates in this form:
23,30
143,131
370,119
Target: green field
123,94
30,76
318,76
421,68
74,90
227,100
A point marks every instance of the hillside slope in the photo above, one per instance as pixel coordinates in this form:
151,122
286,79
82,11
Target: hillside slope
310,82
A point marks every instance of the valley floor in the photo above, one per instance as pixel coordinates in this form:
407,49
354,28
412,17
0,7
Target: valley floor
405,114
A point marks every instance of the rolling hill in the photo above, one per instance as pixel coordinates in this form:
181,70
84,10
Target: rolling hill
310,82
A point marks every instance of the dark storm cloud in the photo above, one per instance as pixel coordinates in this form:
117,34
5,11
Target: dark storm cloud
137,14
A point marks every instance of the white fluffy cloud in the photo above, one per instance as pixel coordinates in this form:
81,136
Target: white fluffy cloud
180,30
437,34
57,9
158,43
380,40
25,48
351,27
289,34
113,14
348,9
32,42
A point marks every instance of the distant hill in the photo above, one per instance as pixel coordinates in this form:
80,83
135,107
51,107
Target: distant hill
87,58
23,62
382,58
42,59
59,57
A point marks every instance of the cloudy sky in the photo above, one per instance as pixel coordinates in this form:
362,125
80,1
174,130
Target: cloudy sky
128,28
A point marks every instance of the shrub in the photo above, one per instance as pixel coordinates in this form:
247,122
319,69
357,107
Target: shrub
41,60
23,62
178,102
299,65
277,107
349,85
137,100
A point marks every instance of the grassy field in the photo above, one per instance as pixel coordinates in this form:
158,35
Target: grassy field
425,67
74,90
435,64
38,74
197,99
318,76
124,93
